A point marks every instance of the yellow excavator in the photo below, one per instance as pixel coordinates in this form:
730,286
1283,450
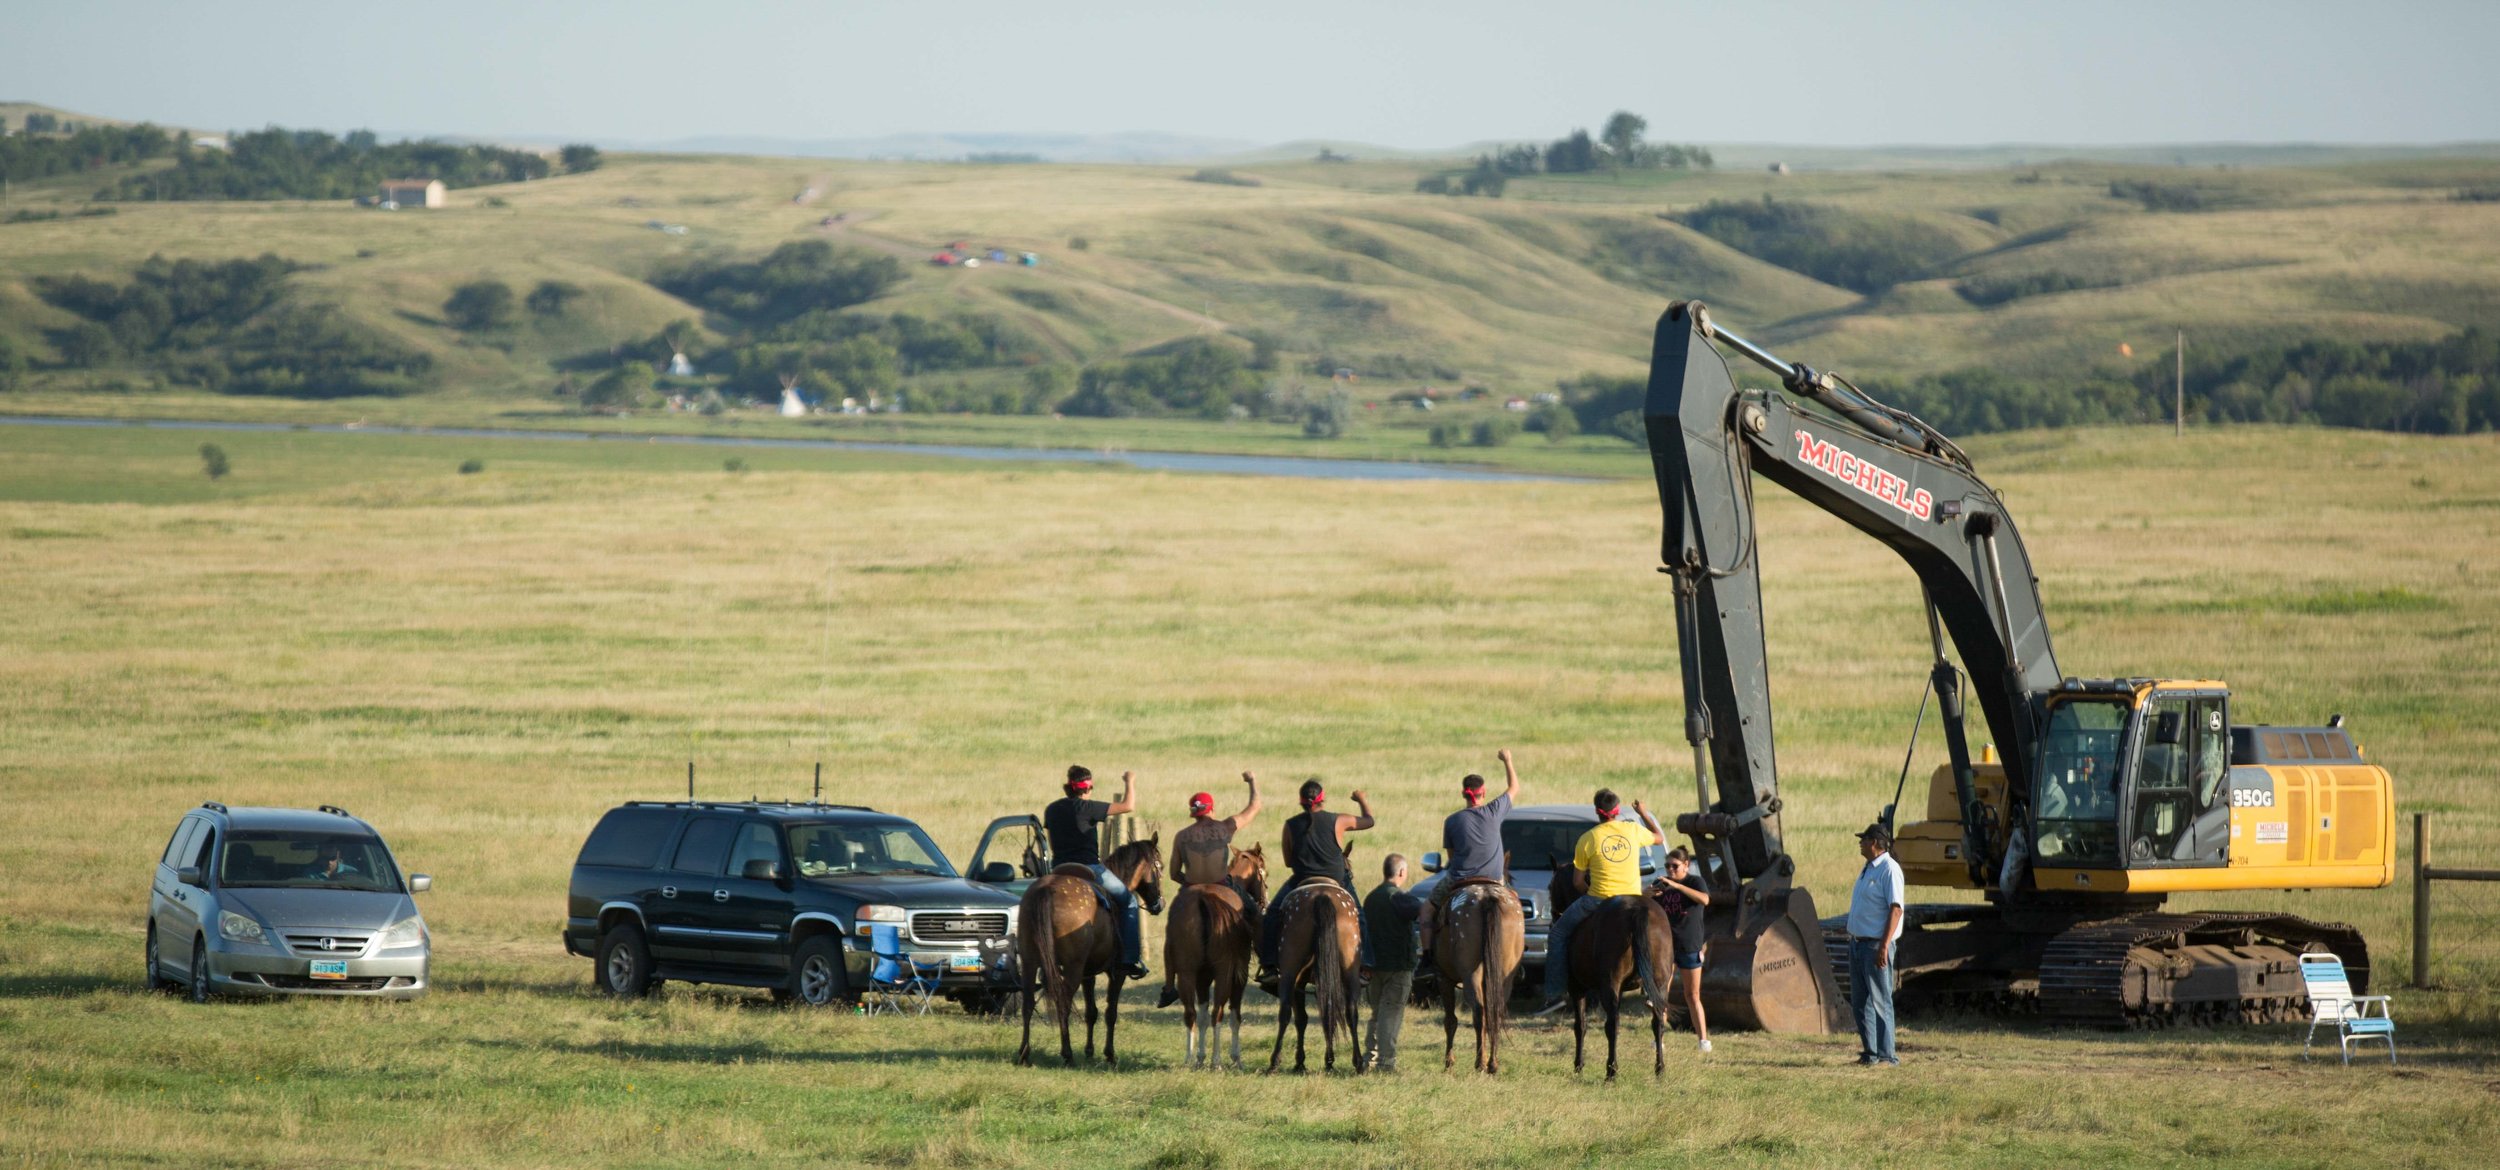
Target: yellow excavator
2111,794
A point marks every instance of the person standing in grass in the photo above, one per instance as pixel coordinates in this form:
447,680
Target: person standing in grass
1874,925
1074,822
1682,897
1609,859
1389,957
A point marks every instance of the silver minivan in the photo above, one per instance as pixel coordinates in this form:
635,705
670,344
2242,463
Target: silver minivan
283,901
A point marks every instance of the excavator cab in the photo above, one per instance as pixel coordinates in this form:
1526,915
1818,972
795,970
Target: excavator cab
2132,775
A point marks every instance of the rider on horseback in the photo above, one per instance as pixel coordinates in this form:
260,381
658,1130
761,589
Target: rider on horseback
1075,827
1609,859
1314,848
1471,843
1202,856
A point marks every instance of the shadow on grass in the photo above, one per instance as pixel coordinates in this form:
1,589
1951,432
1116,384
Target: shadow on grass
55,984
742,1052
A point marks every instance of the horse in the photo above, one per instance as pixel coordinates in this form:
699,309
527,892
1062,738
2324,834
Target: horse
1625,938
1207,949
1065,936
1477,949
1321,946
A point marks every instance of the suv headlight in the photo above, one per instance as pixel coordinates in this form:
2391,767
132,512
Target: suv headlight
874,913
240,928
407,932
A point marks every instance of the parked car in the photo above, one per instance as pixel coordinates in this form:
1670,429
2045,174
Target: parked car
782,896
1540,838
284,901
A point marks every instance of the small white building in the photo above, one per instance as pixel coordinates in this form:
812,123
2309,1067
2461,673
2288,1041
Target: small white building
407,193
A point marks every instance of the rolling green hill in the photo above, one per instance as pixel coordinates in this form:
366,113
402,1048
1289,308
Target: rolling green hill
2044,272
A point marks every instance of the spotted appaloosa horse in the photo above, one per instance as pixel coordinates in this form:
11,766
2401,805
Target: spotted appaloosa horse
1207,948
1322,947
1065,936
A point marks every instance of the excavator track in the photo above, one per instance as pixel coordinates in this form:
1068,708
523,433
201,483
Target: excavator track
2147,970
2158,970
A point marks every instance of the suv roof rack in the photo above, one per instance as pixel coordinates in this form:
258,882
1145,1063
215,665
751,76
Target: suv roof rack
750,805
336,811
210,804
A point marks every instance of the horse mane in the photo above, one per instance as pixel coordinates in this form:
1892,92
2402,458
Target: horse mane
1149,848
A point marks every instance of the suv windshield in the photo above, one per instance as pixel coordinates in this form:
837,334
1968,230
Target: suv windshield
2077,799
340,861
834,850
1539,844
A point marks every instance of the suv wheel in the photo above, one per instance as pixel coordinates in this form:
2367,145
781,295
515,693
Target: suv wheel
198,987
817,975
624,967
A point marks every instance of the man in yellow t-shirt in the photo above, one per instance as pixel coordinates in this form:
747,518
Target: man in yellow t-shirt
1609,856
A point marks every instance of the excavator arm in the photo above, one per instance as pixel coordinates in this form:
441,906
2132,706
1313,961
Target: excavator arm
1888,475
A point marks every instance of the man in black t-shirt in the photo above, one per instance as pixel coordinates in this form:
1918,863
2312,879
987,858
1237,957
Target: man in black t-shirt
1074,824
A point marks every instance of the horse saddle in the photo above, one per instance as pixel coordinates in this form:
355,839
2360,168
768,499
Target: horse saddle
1102,897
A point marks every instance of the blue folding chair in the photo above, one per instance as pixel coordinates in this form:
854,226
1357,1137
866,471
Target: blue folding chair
2331,1001
896,983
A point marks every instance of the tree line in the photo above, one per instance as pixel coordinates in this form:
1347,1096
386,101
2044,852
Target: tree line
226,326
278,163
37,153
2449,386
1621,145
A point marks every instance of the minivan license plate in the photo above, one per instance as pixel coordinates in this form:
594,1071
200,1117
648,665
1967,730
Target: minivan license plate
963,962
329,968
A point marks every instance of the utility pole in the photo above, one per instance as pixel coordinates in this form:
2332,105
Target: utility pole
2178,391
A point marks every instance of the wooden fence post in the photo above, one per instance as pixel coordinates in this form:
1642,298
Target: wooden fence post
2421,901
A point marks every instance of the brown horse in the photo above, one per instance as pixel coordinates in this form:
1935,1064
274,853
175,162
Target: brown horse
1626,939
1065,936
1477,949
1207,949
1321,946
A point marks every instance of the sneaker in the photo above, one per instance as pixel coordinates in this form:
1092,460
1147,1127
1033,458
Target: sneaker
1705,1048
1171,995
1889,1062
1553,1005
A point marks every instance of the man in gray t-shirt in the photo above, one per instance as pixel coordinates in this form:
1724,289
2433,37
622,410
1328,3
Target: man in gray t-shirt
1471,842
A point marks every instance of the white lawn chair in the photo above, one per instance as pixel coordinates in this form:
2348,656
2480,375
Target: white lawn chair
2331,1001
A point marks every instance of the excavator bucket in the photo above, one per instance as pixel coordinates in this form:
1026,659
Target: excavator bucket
1766,968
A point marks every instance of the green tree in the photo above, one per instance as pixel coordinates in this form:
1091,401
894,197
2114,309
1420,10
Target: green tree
1326,416
1555,421
481,305
213,461
1622,137
552,297
579,157
624,387
10,363
88,345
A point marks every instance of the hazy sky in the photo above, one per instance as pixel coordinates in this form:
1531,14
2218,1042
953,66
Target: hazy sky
1406,74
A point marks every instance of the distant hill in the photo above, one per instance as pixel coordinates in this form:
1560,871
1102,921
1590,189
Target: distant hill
1064,148
1874,262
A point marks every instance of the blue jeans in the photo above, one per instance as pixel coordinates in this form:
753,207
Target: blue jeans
1558,944
1132,945
1870,1001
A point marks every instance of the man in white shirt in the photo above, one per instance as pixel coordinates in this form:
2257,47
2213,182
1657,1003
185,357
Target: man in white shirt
1874,925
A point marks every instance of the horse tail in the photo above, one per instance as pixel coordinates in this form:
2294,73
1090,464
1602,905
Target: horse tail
1327,962
1206,932
1645,960
1489,998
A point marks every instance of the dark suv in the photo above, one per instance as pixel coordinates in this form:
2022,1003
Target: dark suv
779,896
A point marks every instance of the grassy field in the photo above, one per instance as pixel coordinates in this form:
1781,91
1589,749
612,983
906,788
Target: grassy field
1334,263
482,663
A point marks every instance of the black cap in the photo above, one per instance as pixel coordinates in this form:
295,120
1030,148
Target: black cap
1878,833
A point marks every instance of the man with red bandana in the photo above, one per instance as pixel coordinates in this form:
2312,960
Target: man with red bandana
1314,848
1074,823
1471,841
1202,856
